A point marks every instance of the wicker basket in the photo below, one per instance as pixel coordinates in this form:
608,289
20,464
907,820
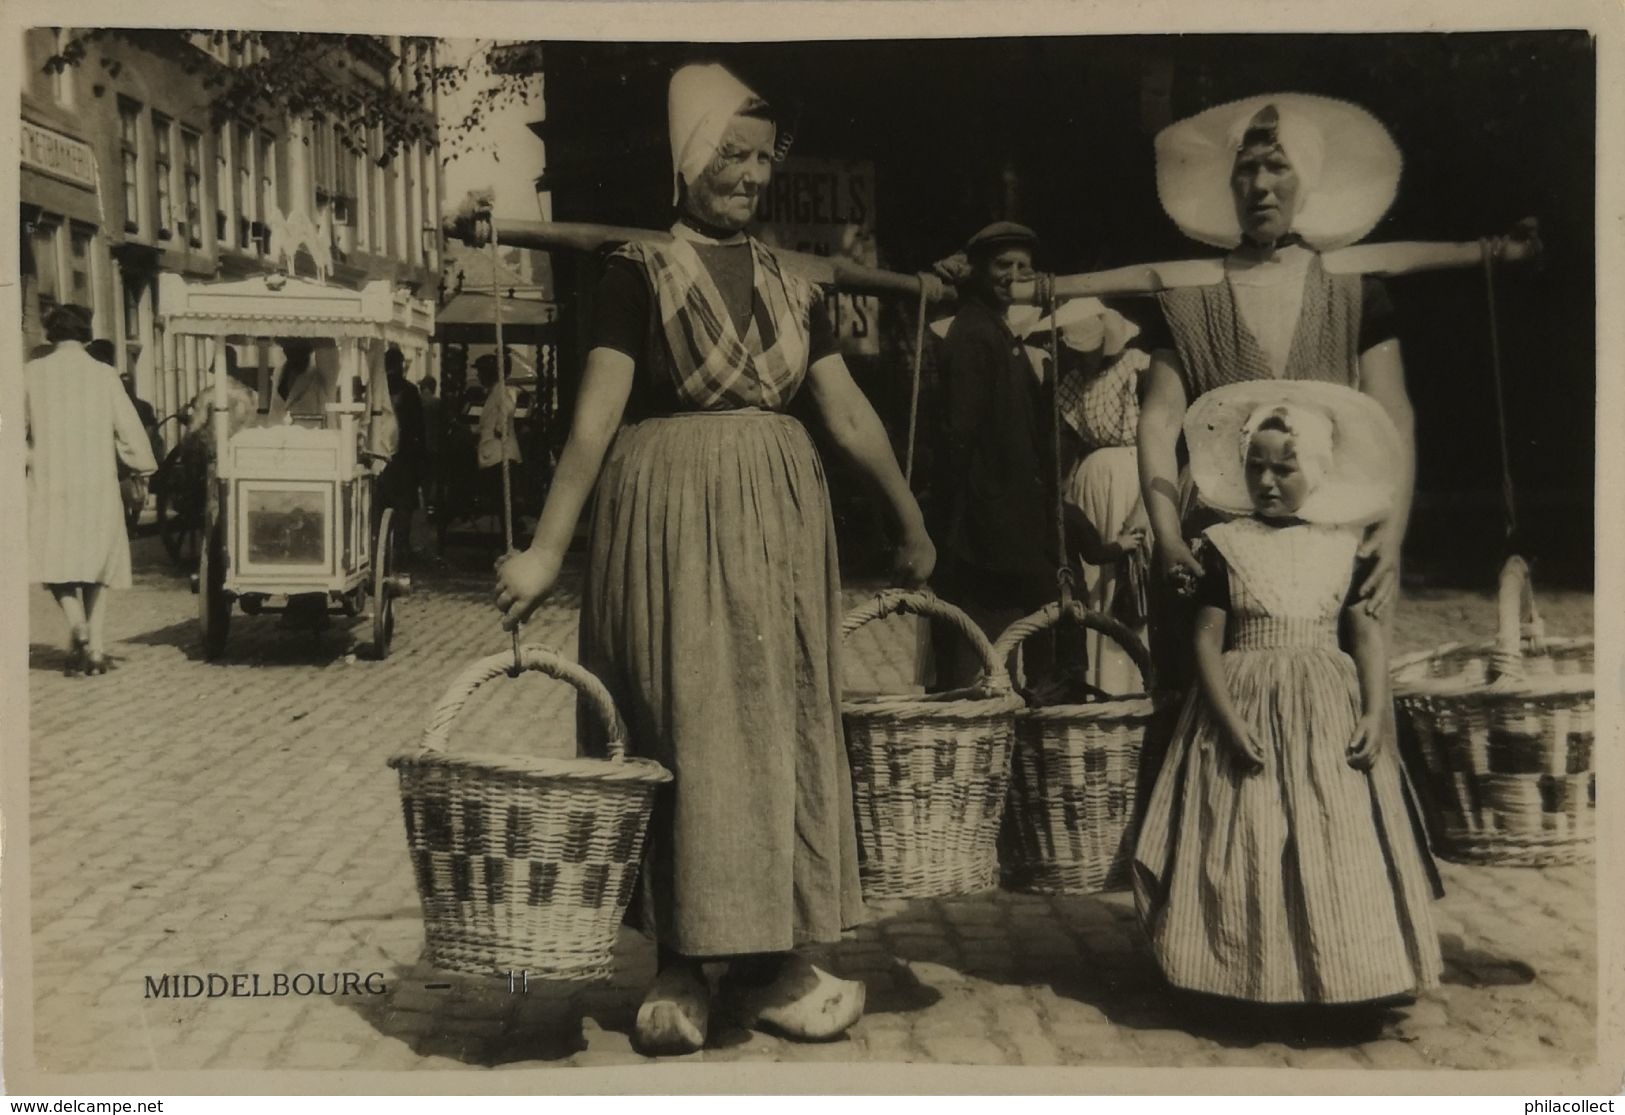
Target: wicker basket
1505,729
525,864
929,772
1073,775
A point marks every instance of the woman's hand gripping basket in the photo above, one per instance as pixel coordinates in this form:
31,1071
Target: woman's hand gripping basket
929,773
525,864
1506,732
1073,774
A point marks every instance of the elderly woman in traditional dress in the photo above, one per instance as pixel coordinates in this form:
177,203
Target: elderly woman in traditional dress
81,425
712,602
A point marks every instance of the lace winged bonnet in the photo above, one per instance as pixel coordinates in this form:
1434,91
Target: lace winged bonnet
1345,442
1348,168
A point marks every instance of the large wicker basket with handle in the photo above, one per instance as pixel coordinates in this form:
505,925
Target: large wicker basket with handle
929,772
1506,732
525,864
1073,774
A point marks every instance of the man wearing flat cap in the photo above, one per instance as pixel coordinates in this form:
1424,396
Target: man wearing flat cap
998,561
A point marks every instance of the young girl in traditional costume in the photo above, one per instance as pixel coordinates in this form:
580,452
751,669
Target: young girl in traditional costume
1279,861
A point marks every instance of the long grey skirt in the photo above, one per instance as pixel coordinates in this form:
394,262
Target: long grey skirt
711,610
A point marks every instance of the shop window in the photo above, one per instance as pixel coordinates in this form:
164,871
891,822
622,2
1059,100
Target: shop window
321,159
377,234
344,183
243,189
389,243
132,320
192,177
266,195
43,243
80,288
163,173
132,307
363,193
225,230
129,123
431,235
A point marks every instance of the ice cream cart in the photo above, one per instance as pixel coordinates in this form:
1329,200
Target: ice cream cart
290,524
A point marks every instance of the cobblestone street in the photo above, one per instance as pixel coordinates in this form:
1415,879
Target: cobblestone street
190,817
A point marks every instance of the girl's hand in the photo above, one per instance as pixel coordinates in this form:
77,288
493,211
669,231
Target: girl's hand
1245,748
523,580
1130,540
1366,745
1179,566
914,560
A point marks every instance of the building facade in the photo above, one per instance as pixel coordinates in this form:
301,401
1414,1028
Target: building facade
124,176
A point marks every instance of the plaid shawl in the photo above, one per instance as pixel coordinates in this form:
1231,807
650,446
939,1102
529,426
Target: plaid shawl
1105,410
711,366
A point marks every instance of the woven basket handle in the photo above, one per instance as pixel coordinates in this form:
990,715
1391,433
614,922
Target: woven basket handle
1049,615
1519,619
541,660
896,602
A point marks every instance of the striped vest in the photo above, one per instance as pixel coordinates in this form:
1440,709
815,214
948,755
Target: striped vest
1216,347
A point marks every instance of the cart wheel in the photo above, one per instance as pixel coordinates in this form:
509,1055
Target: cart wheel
213,605
383,602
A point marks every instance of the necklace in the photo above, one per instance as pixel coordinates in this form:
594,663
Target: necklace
696,231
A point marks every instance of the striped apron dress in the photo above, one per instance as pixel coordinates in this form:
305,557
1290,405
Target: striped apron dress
1216,346
1303,882
711,610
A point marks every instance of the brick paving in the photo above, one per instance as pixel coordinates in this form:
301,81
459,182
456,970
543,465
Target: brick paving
190,817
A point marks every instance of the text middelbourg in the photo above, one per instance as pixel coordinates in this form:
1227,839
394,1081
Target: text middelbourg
256,985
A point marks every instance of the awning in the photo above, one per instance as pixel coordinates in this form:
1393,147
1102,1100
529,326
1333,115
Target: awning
279,306
470,317
53,195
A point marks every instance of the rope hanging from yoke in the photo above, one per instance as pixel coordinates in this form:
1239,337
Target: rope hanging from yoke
914,393
1490,249
1063,568
502,434
1045,290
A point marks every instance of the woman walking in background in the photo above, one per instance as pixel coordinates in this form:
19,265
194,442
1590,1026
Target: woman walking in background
1100,403
498,435
80,426
400,479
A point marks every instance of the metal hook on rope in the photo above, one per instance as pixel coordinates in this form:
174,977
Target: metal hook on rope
502,434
